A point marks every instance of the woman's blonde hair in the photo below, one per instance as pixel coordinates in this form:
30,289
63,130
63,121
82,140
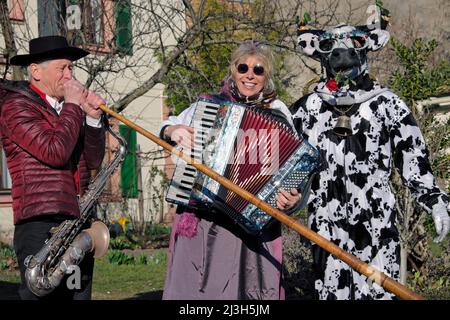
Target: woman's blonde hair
257,49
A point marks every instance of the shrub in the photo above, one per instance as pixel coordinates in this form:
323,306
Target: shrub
6,252
3,265
121,242
118,257
157,230
158,257
120,227
8,259
142,259
297,266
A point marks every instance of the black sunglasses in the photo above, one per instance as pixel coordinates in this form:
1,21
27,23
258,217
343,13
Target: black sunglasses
258,69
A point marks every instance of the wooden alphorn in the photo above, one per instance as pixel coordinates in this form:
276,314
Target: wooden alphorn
375,275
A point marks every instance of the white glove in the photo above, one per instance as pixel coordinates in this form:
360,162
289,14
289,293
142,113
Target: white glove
441,221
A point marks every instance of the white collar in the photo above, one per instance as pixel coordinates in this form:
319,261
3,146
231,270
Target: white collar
57,105
345,96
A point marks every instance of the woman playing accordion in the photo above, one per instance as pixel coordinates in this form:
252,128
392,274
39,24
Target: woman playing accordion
210,257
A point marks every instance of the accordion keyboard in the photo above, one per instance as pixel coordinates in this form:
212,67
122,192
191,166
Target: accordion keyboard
252,149
184,175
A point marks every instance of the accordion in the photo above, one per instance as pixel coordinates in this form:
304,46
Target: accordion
251,148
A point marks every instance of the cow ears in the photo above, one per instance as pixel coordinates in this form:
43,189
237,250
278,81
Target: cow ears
307,40
378,38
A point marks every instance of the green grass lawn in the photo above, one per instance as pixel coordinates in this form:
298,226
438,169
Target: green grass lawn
111,281
118,282
144,279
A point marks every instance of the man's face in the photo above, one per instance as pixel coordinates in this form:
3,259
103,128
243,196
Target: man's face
51,75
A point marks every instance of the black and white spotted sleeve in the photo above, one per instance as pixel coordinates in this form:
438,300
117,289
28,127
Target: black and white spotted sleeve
299,113
412,157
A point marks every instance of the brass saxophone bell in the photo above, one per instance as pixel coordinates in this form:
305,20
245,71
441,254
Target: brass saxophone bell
99,234
343,126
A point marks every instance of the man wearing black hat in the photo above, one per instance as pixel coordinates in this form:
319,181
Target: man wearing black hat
52,135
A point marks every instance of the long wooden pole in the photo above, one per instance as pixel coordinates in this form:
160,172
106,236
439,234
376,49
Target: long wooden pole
360,266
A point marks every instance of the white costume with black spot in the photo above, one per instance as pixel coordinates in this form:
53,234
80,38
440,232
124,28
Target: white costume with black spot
351,202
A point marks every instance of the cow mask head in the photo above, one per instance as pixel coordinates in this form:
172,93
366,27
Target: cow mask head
343,49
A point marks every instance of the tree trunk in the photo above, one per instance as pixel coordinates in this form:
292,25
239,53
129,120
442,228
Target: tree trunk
403,264
8,35
140,191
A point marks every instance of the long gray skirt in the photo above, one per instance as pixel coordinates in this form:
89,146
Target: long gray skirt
222,262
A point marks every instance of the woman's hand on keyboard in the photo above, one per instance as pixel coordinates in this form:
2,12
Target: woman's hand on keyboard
181,134
287,199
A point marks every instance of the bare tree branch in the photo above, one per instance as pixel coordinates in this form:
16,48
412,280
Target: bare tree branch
8,35
156,78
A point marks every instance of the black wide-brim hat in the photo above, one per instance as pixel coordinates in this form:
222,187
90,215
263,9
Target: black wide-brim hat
48,48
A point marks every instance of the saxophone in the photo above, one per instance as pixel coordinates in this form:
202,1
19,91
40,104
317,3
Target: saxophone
68,243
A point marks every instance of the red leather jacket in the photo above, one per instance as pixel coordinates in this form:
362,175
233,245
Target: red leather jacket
43,149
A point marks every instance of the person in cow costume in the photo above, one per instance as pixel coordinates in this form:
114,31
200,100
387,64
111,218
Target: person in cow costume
361,130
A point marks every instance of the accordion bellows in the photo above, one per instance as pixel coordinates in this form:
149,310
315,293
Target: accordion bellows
251,148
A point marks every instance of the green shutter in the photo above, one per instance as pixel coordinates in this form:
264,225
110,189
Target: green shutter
128,174
124,31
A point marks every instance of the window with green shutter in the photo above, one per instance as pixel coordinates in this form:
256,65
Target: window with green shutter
128,174
124,31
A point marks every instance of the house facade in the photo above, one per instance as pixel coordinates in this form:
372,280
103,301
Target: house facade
117,39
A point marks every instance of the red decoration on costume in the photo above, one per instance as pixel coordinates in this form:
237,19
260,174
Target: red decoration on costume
332,85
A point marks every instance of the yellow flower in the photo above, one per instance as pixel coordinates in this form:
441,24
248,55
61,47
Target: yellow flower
123,221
